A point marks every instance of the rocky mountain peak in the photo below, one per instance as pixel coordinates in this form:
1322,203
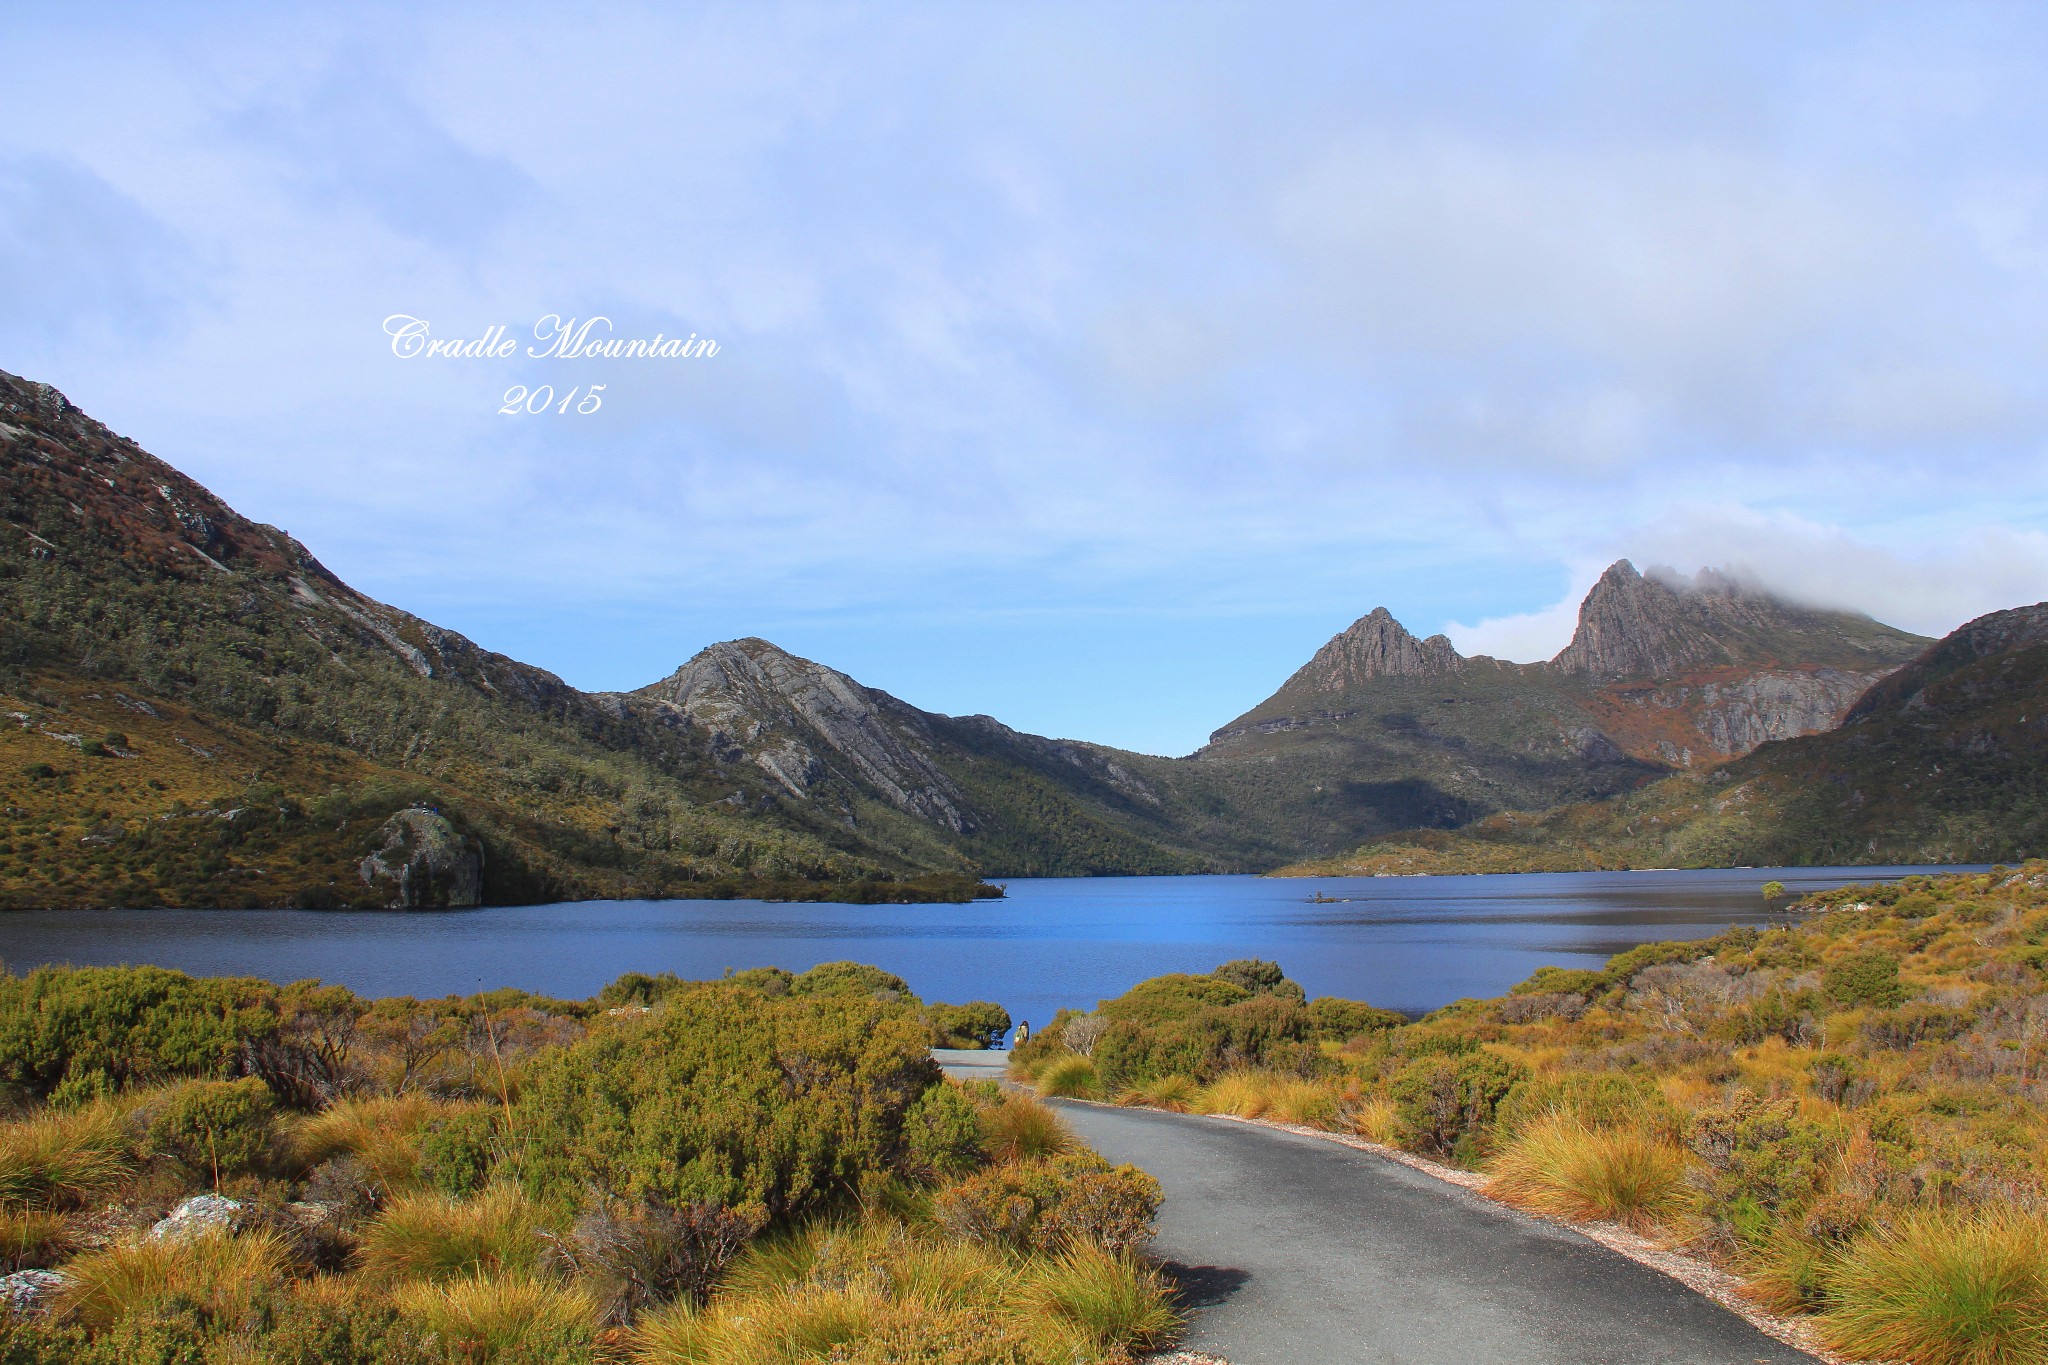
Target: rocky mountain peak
1374,646
1663,624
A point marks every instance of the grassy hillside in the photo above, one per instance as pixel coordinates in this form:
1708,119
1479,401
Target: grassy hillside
1944,761
1847,1112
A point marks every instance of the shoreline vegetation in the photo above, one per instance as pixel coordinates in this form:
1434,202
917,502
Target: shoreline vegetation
1846,1112
770,1167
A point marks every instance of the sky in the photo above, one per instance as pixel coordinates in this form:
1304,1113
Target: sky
1083,365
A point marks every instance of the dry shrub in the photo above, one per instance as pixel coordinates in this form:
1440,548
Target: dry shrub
630,1255
225,1275
1052,1204
62,1159
1561,1167
1945,1288
430,1236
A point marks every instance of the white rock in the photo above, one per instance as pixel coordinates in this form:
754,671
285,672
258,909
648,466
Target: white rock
25,1290
199,1214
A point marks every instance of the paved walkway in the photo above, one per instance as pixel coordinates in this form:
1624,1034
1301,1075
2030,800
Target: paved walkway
1297,1251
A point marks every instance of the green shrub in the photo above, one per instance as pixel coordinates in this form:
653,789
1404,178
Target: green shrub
95,1029
1446,1104
1260,977
849,978
1594,1100
977,1024
1053,1203
1340,1020
726,1097
1766,1162
217,1128
457,1153
1869,976
941,1134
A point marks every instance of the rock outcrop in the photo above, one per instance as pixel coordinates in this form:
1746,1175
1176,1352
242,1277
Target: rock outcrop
1374,646
424,863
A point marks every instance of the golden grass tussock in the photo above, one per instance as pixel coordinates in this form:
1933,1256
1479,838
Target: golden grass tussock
1240,1093
382,1133
1175,1093
1071,1076
431,1236
224,1274
1018,1128
1944,1288
481,1318
1097,1301
804,1322
1374,1118
1562,1167
60,1159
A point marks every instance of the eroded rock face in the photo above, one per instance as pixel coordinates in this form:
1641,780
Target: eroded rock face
198,1216
423,863
1375,646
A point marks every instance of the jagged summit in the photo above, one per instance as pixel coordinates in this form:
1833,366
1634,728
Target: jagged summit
1374,646
1663,624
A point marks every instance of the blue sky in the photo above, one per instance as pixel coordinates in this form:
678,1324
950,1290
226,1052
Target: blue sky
1083,365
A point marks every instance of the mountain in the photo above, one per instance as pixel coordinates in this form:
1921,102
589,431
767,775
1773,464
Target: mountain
203,713
1382,731
1942,760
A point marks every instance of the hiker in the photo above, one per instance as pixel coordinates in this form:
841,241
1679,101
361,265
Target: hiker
1023,1034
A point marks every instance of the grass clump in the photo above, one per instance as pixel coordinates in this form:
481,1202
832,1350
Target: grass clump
226,1276
1019,1128
1944,1289
502,1319
1177,1094
1561,1167
1071,1077
62,1159
429,1236
1095,1299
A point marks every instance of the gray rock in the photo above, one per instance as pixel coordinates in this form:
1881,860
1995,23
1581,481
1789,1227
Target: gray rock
202,1213
424,863
29,1291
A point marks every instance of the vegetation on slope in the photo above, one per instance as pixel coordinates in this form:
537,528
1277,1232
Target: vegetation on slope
1848,1111
764,1168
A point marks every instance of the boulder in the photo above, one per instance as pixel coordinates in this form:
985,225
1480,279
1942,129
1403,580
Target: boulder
424,863
201,1214
30,1291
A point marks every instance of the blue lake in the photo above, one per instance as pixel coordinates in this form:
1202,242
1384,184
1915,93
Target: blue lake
1408,943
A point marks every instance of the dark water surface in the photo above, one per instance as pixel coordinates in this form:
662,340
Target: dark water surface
1409,943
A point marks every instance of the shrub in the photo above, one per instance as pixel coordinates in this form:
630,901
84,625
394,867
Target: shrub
726,1097
457,1152
60,1160
1070,1076
506,1321
1259,977
216,1128
1562,1167
224,1275
635,1255
1051,1203
977,1024
1593,1100
1339,1020
1868,976
1765,1161
430,1236
93,1029
849,978
941,1134
1945,1289
1018,1128
1446,1104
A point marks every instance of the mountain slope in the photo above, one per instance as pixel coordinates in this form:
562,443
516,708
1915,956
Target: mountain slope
1382,731
1941,761
115,568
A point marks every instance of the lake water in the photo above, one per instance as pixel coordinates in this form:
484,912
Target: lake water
1408,943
